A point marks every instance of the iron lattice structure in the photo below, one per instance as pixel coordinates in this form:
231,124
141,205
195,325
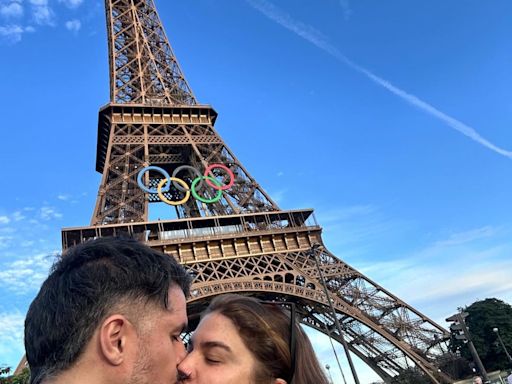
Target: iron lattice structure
242,243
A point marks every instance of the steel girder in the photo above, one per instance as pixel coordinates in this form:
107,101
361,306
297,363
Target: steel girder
143,67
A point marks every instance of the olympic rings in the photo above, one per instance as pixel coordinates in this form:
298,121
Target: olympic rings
175,173
208,178
164,185
222,166
170,202
158,169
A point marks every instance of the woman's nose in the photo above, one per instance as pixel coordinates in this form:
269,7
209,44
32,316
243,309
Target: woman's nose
185,368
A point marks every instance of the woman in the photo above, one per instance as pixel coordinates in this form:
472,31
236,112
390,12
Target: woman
242,340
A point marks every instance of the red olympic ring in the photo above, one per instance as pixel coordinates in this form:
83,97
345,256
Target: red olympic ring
229,172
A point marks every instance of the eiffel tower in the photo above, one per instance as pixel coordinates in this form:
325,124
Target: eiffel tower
230,234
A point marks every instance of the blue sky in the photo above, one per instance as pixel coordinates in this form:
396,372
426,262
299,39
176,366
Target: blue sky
392,119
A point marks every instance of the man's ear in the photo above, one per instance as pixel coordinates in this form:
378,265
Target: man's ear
279,381
114,334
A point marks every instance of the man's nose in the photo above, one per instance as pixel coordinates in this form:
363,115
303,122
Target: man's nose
181,353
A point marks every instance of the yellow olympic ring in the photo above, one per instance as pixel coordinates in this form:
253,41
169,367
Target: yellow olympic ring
170,202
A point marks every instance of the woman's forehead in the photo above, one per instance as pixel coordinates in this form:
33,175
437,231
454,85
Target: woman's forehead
215,327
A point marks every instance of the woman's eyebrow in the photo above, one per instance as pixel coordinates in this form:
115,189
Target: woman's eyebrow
215,344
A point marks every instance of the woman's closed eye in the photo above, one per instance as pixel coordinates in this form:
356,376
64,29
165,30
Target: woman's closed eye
213,359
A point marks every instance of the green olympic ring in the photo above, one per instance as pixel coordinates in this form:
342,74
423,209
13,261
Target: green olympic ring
182,186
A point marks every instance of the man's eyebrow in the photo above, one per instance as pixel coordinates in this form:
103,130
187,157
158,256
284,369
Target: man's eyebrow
215,344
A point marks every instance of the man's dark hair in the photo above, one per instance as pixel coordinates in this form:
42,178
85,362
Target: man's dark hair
85,286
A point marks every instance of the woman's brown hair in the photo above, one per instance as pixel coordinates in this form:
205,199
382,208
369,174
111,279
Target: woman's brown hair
267,331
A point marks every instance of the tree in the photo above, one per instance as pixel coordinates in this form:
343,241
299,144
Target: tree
410,375
484,316
454,365
22,378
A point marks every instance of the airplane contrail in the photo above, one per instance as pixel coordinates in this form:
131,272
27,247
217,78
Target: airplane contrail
316,38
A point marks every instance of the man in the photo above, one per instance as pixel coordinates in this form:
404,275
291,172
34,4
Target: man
111,311
509,378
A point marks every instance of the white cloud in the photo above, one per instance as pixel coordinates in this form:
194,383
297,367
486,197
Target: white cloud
25,275
489,281
5,241
357,231
17,216
73,26
43,16
449,274
12,33
316,38
8,230
72,3
468,236
347,11
42,13
4,219
63,196
49,213
13,9
11,337
11,326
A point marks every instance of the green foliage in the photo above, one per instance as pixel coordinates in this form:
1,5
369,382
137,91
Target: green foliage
409,376
483,316
22,378
454,366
